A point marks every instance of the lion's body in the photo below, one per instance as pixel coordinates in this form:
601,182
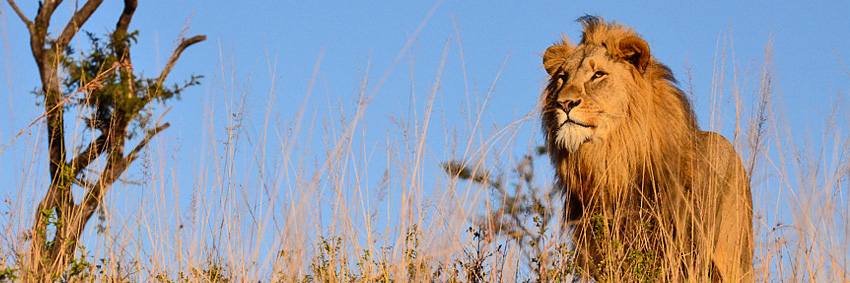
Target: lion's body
648,193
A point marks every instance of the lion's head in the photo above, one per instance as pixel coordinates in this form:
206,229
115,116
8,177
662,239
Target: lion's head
610,106
628,152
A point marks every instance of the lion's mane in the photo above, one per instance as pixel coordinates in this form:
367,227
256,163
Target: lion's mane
653,170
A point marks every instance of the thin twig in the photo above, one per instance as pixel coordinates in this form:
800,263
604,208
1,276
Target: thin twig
132,155
20,14
843,65
184,43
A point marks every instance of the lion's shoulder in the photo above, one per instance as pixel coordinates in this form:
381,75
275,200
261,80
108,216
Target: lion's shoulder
719,165
712,146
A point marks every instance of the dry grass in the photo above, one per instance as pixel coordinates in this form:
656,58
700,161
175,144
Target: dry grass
311,195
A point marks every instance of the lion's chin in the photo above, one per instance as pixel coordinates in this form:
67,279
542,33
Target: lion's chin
570,136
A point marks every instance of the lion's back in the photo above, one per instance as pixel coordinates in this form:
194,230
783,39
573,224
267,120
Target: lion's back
722,189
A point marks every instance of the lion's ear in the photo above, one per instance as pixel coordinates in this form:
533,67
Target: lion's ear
555,56
636,51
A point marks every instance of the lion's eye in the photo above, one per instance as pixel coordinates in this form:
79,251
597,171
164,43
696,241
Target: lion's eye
599,74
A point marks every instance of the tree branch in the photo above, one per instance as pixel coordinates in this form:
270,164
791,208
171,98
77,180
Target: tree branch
127,15
121,33
83,183
20,14
45,12
108,177
132,155
94,196
184,43
80,17
95,149
38,34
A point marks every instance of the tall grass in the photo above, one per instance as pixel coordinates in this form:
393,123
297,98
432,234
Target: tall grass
308,193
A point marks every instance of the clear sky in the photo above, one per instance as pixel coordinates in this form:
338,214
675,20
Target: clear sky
258,48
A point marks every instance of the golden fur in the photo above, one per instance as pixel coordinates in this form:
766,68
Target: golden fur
645,189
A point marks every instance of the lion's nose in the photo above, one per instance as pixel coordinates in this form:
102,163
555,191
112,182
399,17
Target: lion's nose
569,104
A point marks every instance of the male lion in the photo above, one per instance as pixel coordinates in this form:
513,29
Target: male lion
649,196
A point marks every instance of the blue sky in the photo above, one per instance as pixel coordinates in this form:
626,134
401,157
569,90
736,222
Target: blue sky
250,44
807,38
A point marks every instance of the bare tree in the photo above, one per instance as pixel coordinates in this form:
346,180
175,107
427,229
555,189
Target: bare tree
103,82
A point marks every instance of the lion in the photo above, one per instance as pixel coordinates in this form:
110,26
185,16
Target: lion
648,196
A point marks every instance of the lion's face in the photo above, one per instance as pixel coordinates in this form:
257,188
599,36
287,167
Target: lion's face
587,97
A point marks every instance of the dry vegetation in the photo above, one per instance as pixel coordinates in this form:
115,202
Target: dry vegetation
303,200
